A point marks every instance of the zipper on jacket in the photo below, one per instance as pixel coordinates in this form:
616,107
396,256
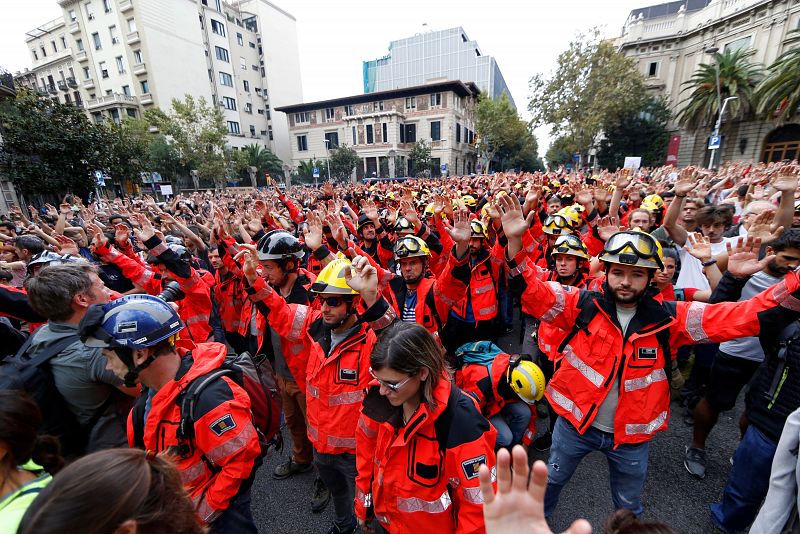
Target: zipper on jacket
784,375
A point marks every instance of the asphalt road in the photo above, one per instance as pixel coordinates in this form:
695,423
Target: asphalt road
671,495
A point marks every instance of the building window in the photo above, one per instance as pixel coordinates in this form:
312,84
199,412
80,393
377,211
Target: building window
72,16
35,55
385,132
252,131
131,24
248,107
103,69
126,90
242,63
332,139
239,39
229,103
89,10
107,6
436,130
96,40
246,85
112,32
330,114
137,57
302,117
120,65
738,44
55,48
252,45
63,42
370,134
78,45
458,133
436,100
222,54
652,69
402,133
411,133
377,106
411,102
302,143
86,74
348,110
270,133
233,127
217,27
145,87
44,52
225,79
355,139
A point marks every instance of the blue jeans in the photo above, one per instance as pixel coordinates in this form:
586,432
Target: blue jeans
627,465
238,517
505,301
747,484
338,471
511,423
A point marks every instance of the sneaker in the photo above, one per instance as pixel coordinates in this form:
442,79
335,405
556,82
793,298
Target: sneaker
695,462
290,468
321,497
543,442
336,529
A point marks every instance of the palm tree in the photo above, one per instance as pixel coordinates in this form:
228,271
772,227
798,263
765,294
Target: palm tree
778,94
737,77
263,159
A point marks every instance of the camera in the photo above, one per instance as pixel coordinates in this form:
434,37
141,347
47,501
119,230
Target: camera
172,292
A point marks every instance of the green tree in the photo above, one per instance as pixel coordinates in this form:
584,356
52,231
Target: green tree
737,77
503,136
640,132
164,158
305,171
48,147
592,85
420,158
561,151
778,94
263,159
343,160
198,134
126,153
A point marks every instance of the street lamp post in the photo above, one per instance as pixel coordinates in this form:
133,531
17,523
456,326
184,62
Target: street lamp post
720,104
328,157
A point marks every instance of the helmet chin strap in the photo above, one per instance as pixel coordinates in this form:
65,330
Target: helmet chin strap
126,355
350,310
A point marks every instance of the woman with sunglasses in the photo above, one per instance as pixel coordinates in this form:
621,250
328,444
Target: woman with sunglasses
420,441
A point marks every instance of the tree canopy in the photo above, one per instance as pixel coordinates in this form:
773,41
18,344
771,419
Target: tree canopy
343,160
640,132
503,137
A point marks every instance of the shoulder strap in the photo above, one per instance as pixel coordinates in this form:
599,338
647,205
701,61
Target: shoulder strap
189,398
47,354
445,420
587,313
430,300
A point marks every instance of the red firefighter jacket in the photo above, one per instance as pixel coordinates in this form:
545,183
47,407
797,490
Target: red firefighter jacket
482,289
335,379
225,447
423,476
599,356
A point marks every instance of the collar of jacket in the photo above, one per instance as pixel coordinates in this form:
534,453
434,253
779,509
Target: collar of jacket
321,333
200,360
651,311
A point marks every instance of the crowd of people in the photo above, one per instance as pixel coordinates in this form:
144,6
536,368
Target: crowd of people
153,349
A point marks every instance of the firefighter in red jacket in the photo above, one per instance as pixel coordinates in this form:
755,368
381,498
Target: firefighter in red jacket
421,441
611,389
506,389
336,343
216,458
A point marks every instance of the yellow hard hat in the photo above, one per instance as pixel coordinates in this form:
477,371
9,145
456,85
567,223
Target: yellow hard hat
526,379
428,210
403,226
411,246
655,200
650,206
572,214
557,224
331,279
570,244
478,229
633,247
469,201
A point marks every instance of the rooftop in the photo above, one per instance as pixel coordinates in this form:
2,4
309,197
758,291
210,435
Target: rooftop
668,8
458,87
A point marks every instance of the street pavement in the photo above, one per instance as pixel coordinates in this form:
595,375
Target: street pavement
670,495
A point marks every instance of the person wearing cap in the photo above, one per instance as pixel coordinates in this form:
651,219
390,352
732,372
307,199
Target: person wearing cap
374,240
611,390
336,342
506,388
216,458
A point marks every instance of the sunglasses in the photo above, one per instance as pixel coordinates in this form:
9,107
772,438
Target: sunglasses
332,302
388,385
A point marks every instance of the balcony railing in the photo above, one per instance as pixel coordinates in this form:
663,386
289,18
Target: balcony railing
108,101
7,83
132,38
81,56
88,83
52,88
139,68
146,98
125,5
72,82
62,85
74,27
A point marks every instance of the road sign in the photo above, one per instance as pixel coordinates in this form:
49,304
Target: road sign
100,178
576,156
478,167
315,172
713,142
444,167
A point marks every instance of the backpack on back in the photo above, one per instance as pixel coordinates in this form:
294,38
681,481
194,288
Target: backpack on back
480,352
257,379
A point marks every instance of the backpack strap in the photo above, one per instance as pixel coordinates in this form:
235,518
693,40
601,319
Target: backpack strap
587,313
47,354
445,420
189,398
430,300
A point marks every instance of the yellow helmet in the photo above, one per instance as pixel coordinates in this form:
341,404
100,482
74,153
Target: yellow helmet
526,379
469,201
650,206
570,244
428,210
402,226
411,246
633,247
331,279
572,214
557,224
478,229
654,200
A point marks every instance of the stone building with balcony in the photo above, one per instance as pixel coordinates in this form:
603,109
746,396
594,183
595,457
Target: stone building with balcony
121,57
668,41
383,126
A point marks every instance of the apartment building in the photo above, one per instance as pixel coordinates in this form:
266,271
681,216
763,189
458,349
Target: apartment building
435,55
669,41
383,126
121,57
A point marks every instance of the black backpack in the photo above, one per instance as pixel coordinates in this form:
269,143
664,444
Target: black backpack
32,375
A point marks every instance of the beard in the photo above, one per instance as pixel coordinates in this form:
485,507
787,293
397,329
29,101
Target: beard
632,298
778,270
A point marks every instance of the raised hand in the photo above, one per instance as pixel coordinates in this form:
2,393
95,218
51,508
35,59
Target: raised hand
249,259
410,213
459,230
761,228
370,210
606,227
584,197
743,259
338,229
98,238
623,179
686,182
66,245
121,234
145,230
786,179
363,277
518,505
313,232
698,246
511,216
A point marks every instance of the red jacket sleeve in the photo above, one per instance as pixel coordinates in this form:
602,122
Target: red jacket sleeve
366,436
133,270
295,214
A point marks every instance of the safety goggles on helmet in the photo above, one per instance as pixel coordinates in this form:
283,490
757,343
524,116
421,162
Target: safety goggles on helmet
388,385
557,225
633,247
570,244
403,226
409,247
478,229
331,279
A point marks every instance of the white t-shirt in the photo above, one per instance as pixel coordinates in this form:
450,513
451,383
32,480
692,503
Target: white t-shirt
604,420
691,274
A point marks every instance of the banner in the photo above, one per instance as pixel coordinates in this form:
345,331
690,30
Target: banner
672,150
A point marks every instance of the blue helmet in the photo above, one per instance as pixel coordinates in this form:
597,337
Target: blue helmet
132,321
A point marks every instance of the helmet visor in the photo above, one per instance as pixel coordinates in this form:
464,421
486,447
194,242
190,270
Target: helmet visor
405,247
638,244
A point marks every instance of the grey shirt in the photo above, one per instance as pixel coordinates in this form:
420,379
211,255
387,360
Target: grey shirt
604,420
82,379
749,348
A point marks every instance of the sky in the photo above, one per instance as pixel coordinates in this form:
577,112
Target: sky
335,36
